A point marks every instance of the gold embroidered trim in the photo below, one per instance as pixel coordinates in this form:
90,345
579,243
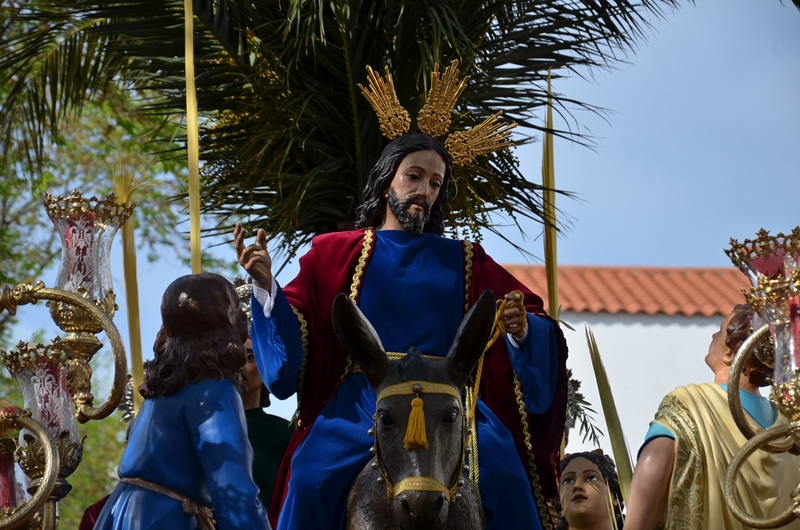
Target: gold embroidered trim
469,254
472,441
541,505
685,508
396,356
472,393
301,374
369,236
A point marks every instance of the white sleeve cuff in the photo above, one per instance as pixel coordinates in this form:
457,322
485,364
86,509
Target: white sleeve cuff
519,342
265,299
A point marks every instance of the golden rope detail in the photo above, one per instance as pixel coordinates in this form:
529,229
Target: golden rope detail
474,461
541,505
499,331
301,374
369,235
469,254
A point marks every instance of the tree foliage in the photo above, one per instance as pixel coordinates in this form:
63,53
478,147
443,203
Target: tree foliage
53,144
83,155
287,139
580,413
96,476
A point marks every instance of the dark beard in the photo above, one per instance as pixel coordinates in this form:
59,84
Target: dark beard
411,222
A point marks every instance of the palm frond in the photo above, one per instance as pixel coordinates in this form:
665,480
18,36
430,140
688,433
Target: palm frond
618,444
51,65
286,138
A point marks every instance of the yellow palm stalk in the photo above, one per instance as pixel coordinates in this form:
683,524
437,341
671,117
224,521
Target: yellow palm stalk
123,188
192,140
618,444
550,234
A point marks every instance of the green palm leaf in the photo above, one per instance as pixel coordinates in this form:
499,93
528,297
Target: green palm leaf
51,65
287,140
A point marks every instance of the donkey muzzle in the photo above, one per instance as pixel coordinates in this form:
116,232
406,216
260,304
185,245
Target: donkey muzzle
421,510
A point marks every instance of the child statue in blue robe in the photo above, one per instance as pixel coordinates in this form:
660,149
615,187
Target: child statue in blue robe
188,451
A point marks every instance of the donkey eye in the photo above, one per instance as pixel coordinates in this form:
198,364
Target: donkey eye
386,420
450,418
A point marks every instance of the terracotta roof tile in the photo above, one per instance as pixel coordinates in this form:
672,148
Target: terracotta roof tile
649,290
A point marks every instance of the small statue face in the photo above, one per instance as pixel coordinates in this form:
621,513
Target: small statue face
250,370
584,495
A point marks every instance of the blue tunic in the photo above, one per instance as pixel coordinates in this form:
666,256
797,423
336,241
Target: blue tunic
195,443
413,295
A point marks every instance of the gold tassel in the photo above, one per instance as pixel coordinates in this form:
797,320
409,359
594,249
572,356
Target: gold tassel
415,433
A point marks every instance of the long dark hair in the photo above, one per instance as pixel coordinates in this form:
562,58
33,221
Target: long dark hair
202,336
372,211
739,328
609,471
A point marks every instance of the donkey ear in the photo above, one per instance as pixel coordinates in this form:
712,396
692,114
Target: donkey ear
360,339
471,338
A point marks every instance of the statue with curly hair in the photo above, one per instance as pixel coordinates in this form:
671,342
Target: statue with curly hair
678,480
188,462
590,497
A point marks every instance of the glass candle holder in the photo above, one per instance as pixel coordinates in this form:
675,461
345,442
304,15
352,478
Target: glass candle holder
778,300
766,257
42,374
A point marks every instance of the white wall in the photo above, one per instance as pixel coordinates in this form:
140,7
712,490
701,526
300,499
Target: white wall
645,358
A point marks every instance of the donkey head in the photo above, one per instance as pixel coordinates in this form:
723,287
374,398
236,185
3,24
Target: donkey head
420,426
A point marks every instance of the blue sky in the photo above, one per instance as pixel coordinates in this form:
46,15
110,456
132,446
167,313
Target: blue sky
700,144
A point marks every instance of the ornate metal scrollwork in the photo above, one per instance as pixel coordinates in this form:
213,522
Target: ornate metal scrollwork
22,294
734,400
32,458
779,439
22,516
761,441
79,369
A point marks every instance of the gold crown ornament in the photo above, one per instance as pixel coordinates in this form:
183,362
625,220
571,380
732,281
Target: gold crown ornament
434,117
393,118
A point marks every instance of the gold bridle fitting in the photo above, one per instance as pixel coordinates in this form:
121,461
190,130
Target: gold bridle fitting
411,388
420,483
